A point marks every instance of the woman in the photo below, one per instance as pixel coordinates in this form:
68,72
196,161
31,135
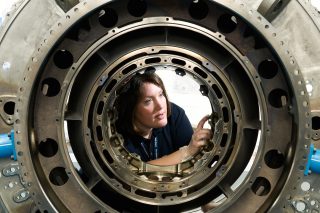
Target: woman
154,128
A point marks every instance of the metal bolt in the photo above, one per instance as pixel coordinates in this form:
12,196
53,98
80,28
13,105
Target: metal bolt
300,206
10,184
305,186
23,194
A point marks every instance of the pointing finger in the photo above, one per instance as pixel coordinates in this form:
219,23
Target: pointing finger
202,122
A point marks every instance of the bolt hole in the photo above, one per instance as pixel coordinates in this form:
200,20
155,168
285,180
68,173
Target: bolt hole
274,159
150,70
278,98
227,23
204,90
137,8
315,123
180,72
50,87
108,18
63,59
9,107
268,69
100,107
99,133
261,186
217,91
224,140
178,61
58,176
198,10
225,114
48,147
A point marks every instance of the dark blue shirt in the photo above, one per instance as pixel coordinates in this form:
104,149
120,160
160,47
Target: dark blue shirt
165,140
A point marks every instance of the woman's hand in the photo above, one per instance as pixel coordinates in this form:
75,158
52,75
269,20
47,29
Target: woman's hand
199,138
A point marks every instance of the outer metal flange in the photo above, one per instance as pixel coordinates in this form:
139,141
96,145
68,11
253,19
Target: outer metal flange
92,51
7,105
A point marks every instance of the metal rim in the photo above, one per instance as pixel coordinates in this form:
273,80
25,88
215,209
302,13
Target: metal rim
273,92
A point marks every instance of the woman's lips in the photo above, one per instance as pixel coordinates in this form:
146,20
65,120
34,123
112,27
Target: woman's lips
160,116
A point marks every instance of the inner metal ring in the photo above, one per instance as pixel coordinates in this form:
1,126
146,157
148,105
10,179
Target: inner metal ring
247,84
110,143
178,183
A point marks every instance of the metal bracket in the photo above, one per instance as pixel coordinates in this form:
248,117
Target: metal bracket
315,114
11,170
21,196
7,105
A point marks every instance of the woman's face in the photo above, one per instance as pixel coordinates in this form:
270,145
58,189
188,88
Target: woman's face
151,109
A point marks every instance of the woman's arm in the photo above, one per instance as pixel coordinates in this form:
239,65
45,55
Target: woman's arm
171,159
198,140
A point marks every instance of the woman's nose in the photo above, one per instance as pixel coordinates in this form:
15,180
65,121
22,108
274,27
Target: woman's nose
158,104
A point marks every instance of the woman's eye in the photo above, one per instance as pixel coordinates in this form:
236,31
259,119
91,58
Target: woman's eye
147,101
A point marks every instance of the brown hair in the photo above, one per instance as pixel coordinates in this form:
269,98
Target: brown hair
128,97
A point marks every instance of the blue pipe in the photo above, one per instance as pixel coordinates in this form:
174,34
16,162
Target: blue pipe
313,164
7,147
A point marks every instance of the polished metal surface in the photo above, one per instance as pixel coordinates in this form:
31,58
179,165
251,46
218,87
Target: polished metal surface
255,62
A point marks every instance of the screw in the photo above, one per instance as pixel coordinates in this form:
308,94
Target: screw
23,194
10,184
